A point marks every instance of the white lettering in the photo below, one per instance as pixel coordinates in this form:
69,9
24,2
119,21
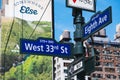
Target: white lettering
102,19
28,46
78,65
86,2
64,49
33,47
90,27
43,41
49,48
28,1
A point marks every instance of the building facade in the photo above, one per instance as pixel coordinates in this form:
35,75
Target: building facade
60,66
109,68
109,54
109,58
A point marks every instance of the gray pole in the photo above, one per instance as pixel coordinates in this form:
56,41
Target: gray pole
78,48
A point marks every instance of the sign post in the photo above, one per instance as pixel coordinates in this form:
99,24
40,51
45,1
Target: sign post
80,66
78,6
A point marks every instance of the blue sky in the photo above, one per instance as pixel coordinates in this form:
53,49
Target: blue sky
0,3
64,19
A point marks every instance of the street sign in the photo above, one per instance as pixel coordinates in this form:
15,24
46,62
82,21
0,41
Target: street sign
97,22
76,67
82,4
45,46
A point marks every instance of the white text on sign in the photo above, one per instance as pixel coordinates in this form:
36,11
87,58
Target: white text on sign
95,23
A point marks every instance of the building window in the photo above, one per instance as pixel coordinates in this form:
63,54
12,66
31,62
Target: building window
57,59
107,52
59,79
58,66
117,58
111,70
66,64
110,76
97,75
116,53
107,76
65,71
118,70
100,75
54,61
109,64
98,69
65,78
7,1
119,76
58,73
107,57
66,59
118,65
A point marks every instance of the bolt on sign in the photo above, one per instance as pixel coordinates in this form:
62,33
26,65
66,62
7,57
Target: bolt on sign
82,4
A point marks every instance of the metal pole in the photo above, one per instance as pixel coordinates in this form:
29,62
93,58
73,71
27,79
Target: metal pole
78,48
